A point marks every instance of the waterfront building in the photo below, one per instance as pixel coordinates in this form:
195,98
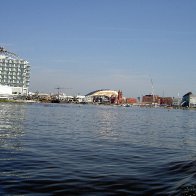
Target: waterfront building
14,72
131,100
189,100
80,99
165,101
105,96
150,99
5,92
120,99
176,102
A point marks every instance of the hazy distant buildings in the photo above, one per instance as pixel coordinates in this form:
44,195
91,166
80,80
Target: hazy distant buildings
14,73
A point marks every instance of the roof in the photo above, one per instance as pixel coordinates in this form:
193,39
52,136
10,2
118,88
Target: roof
187,94
6,54
105,92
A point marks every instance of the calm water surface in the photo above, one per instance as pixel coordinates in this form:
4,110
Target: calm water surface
65,149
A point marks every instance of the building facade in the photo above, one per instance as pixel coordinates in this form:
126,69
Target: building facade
105,96
150,99
189,100
131,100
177,102
166,101
14,72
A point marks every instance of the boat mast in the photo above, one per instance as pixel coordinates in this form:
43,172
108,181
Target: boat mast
58,95
153,98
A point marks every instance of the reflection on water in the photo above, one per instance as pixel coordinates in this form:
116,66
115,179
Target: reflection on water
11,125
106,120
96,150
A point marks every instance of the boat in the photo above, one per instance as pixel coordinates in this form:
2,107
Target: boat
55,101
126,105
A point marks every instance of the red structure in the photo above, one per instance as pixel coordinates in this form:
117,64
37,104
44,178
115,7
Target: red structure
131,100
120,99
149,99
166,101
112,99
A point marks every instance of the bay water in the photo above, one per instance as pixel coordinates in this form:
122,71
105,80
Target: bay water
72,149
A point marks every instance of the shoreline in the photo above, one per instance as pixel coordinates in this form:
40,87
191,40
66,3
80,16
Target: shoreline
119,105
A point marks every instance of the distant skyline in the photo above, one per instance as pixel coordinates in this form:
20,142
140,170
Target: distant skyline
86,45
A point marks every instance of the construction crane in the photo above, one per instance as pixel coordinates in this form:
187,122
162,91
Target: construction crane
59,88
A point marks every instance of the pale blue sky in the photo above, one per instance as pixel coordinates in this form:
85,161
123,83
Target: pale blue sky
87,45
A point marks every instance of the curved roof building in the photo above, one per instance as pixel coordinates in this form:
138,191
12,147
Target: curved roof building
105,92
14,72
103,96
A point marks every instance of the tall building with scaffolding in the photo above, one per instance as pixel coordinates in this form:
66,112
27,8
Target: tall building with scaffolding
14,72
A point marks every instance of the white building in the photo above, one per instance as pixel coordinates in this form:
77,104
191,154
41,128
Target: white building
192,101
5,92
176,102
14,72
81,99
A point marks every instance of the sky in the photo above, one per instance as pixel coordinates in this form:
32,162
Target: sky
136,46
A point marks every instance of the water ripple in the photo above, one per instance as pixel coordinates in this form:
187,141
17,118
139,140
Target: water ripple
56,149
